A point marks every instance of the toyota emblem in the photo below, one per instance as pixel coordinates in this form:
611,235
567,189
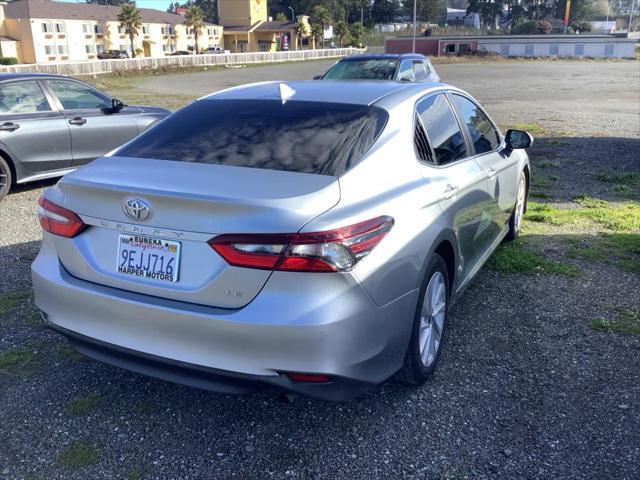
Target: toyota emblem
136,209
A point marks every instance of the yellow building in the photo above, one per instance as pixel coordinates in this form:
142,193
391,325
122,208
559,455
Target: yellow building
35,31
247,28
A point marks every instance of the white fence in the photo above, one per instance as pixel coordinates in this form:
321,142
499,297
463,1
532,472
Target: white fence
89,67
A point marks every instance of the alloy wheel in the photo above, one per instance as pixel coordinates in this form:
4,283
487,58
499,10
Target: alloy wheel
432,317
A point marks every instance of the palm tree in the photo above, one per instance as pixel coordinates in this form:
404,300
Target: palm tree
342,31
194,19
130,19
322,16
317,33
302,30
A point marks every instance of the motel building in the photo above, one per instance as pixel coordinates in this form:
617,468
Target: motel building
247,27
35,31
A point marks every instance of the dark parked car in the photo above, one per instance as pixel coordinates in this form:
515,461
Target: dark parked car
113,54
406,67
180,52
50,125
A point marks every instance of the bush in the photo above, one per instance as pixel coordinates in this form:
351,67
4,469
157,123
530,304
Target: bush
581,27
8,61
525,28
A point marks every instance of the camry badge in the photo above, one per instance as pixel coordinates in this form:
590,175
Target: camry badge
136,209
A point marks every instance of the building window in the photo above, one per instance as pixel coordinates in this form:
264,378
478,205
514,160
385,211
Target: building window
62,50
86,28
212,31
168,48
121,29
47,28
50,49
124,47
100,48
145,29
97,29
168,30
90,48
60,27
264,46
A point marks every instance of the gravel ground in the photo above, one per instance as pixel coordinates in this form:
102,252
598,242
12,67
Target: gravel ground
525,389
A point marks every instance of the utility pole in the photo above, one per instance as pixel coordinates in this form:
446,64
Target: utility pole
633,4
413,43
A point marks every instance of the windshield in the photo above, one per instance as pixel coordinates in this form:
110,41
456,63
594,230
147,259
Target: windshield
308,137
376,69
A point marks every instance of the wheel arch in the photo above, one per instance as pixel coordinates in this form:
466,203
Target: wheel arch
527,177
7,158
446,246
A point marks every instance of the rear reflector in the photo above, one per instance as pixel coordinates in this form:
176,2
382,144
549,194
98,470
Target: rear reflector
308,378
58,220
331,251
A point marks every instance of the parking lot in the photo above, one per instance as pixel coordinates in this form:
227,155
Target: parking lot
539,377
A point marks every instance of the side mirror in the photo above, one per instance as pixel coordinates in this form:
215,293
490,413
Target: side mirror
317,77
116,105
518,139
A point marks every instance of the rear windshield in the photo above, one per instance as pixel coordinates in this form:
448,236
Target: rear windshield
308,137
377,69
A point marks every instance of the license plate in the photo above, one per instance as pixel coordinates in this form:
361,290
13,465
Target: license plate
148,257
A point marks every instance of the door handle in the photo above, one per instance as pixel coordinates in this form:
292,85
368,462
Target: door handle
78,121
9,127
491,172
450,191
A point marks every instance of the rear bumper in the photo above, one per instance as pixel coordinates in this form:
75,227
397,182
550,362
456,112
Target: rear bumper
311,323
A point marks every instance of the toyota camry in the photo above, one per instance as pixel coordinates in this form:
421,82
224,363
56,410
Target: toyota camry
293,236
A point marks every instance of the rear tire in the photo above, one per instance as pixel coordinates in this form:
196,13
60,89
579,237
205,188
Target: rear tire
429,325
6,178
515,221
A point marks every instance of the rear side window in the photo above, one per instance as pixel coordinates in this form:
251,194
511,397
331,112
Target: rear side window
308,137
406,71
22,97
442,129
483,134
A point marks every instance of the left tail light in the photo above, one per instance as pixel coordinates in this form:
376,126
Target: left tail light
330,251
59,220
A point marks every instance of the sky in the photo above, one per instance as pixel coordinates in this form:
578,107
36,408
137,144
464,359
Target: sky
158,4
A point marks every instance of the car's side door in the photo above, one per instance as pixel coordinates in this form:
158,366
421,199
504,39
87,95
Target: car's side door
500,167
457,178
95,128
32,132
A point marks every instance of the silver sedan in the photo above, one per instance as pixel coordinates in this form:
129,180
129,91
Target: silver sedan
293,236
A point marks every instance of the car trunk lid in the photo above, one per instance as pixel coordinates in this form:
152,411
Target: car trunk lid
189,203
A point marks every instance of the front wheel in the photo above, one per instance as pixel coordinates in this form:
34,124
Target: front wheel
5,178
428,325
515,222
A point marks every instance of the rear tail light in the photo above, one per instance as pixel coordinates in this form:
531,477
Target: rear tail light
58,220
331,251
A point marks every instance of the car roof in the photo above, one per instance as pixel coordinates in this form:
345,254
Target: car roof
14,76
359,92
384,56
